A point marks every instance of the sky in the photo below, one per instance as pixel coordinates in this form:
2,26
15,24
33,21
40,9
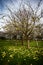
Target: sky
14,6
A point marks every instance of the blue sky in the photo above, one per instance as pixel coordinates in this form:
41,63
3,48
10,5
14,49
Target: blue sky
3,2
14,6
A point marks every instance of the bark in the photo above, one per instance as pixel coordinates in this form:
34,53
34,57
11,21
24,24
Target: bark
22,40
28,42
37,43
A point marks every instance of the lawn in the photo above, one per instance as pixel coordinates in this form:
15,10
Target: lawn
18,42
11,54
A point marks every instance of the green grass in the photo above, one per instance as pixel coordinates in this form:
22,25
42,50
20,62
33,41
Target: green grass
18,42
20,55
12,54
9,42
34,43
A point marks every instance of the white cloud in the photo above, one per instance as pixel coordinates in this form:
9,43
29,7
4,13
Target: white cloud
14,8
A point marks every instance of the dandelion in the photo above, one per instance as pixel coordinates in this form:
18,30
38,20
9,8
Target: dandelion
3,54
8,60
30,64
11,56
24,59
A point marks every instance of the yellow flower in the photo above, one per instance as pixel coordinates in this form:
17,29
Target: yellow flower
11,56
3,54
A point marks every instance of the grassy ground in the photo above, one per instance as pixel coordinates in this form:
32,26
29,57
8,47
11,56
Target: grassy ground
12,54
20,55
18,42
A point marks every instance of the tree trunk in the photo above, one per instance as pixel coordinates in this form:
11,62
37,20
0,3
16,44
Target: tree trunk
37,43
22,40
28,42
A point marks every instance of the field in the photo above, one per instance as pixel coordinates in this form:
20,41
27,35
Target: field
18,43
12,53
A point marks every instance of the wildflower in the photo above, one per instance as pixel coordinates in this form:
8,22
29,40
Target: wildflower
3,54
11,56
